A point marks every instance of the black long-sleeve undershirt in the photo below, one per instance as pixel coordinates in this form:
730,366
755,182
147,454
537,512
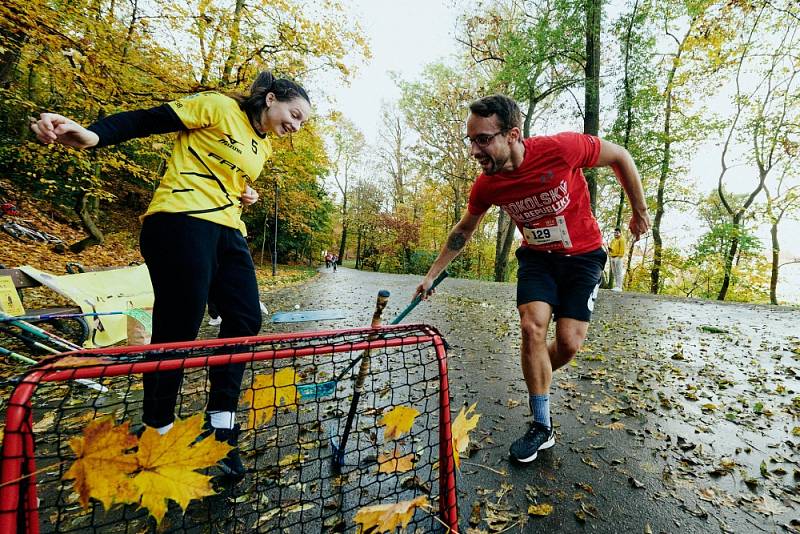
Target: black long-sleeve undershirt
138,123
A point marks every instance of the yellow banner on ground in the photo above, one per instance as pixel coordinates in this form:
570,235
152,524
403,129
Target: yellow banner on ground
102,291
9,298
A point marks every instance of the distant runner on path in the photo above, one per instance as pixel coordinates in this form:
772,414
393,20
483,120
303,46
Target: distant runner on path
539,182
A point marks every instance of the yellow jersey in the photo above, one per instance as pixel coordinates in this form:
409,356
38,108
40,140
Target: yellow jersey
212,161
617,247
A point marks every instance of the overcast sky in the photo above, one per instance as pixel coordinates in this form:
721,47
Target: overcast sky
404,36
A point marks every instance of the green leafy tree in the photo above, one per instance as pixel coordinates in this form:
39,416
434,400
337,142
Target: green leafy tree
368,199
749,270
347,163
765,100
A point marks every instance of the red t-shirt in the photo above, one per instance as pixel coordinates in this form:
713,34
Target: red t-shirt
547,195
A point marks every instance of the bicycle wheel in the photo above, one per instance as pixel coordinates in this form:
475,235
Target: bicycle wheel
74,329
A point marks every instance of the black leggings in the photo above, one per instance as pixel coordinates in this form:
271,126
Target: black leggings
192,261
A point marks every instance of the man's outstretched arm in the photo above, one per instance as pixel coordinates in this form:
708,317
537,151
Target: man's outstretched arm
616,157
456,241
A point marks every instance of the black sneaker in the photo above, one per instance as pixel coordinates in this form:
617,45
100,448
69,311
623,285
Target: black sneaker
231,466
537,438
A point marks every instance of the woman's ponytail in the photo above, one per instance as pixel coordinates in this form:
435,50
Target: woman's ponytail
263,82
283,89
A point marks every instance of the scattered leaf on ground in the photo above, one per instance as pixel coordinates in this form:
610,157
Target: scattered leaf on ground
268,392
167,465
398,421
395,461
387,517
461,428
102,468
543,509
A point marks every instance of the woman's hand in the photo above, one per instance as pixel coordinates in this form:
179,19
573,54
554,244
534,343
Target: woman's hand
55,128
249,196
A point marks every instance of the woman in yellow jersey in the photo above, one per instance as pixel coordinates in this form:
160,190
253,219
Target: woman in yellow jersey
192,234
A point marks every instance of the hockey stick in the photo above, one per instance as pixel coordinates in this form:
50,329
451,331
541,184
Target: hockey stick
338,452
139,314
325,389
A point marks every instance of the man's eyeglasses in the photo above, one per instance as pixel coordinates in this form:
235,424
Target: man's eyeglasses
482,140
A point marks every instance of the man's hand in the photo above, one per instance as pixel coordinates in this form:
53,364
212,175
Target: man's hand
55,128
424,289
250,196
640,223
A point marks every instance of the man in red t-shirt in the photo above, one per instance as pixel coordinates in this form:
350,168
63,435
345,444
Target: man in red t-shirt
540,184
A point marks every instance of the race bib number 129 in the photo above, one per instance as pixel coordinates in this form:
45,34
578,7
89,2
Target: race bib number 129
549,231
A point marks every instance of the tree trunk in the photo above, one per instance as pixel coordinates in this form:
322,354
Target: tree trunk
729,256
234,48
358,247
628,105
85,205
655,271
666,159
503,241
342,244
591,120
776,252
628,278
131,27
14,36
10,57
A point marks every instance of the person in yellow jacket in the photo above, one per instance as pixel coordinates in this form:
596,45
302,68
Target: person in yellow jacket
616,253
193,237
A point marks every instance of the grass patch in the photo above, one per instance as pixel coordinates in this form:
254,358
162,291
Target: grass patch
285,275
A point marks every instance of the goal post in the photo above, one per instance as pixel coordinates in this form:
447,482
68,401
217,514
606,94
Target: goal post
296,394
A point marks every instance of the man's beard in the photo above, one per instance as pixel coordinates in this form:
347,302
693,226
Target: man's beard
497,166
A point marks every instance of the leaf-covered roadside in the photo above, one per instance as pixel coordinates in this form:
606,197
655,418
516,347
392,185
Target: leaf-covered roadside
634,452
683,408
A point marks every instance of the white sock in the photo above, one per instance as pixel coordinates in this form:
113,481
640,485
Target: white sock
164,429
222,419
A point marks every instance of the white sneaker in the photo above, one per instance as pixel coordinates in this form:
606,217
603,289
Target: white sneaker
264,309
215,321
616,289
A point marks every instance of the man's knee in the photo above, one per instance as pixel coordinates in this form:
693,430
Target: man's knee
569,343
570,335
533,330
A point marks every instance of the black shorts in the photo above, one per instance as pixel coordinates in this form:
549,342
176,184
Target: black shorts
568,283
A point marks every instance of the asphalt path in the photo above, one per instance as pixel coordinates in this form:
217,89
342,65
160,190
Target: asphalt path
678,415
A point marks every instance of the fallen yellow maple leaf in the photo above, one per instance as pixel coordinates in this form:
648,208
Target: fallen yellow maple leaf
387,517
461,428
291,459
617,425
398,421
102,468
268,392
395,461
167,465
543,509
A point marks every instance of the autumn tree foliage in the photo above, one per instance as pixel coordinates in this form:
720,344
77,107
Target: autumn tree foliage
90,59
